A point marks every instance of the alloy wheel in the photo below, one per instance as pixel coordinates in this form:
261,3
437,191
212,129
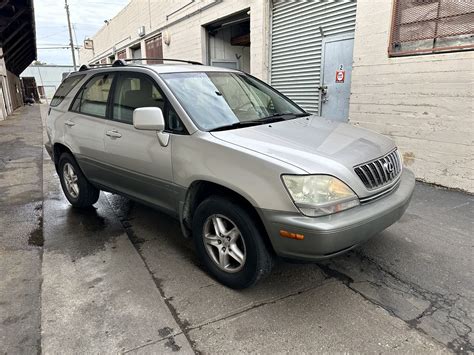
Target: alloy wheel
70,180
224,243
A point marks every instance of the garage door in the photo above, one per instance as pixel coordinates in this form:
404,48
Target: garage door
296,45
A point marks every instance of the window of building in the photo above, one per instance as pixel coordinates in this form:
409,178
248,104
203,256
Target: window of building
431,26
93,96
154,49
65,88
122,54
135,90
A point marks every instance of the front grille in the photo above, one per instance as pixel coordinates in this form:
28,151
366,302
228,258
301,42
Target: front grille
380,171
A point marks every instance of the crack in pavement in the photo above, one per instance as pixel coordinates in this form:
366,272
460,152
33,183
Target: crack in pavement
439,305
152,342
256,305
170,343
124,221
253,306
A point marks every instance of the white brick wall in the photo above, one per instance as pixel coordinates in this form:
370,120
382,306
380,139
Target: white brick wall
187,36
425,103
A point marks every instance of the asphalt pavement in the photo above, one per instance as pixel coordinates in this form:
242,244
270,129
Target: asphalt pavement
121,278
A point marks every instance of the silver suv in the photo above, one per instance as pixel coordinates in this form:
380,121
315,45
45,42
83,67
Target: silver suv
248,173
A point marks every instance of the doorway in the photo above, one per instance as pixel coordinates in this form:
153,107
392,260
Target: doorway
229,42
336,77
136,51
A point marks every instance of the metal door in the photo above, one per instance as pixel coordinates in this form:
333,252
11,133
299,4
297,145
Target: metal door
336,81
298,29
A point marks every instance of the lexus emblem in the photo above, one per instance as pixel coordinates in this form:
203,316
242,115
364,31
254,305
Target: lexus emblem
388,166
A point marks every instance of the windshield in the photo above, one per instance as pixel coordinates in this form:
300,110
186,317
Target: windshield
221,99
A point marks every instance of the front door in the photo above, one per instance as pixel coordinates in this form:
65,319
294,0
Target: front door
337,73
139,165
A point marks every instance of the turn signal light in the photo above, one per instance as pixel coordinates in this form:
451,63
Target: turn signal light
286,234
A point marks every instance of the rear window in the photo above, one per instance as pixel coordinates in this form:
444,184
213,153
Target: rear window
65,88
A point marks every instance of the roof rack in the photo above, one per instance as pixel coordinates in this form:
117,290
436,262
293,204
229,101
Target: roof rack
123,62
162,59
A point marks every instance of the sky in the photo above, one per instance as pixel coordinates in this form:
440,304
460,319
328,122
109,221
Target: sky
87,17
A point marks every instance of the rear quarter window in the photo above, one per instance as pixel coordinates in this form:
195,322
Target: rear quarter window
65,88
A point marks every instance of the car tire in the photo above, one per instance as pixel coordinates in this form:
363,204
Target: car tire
237,230
77,189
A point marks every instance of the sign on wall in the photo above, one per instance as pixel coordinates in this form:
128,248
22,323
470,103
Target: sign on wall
340,76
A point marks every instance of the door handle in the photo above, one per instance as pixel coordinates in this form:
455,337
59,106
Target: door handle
69,123
113,134
324,93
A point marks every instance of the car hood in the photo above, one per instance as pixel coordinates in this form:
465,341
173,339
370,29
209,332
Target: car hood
312,143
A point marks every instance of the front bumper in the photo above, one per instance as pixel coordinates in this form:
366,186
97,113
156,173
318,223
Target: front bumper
328,236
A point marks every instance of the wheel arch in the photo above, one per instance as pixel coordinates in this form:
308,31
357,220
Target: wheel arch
58,149
200,190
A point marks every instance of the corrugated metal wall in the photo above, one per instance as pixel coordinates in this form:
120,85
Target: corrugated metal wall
296,45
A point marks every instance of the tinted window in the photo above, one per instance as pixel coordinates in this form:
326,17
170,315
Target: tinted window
135,90
65,88
92,99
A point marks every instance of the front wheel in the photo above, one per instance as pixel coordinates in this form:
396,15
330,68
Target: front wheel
229,243
76,188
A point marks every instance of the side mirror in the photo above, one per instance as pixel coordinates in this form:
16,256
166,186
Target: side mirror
149,119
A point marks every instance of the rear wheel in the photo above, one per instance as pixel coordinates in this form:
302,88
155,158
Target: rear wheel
76,188
229,243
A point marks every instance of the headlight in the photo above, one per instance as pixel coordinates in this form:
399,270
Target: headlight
319,195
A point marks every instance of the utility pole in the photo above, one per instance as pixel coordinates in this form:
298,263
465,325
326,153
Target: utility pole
71,43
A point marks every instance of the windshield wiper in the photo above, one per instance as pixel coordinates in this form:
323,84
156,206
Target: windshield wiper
284,116
239,124
269,119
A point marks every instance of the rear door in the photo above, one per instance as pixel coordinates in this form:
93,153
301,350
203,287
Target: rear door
139,165
85,126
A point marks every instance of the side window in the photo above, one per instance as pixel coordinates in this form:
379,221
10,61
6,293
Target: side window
92,99
65,88
135,90
173,123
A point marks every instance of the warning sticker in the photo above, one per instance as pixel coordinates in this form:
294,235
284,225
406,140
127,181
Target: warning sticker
340,76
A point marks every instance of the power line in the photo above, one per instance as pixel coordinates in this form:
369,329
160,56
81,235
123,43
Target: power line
64,47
